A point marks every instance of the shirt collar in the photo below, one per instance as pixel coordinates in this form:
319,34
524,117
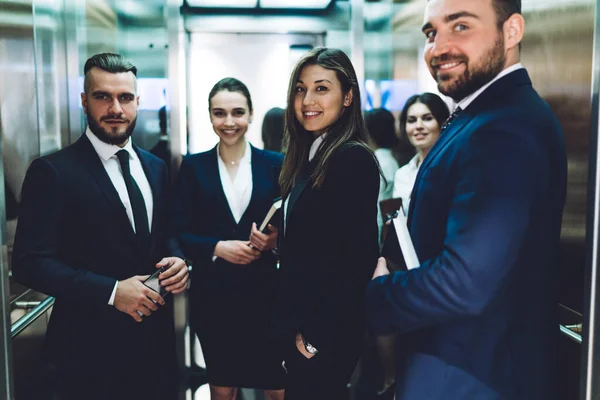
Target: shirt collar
246,158
414,162
105,150
464,103
314,147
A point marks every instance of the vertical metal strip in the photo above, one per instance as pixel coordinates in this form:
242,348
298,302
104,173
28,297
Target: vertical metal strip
177,95
590,378
357,43
6,374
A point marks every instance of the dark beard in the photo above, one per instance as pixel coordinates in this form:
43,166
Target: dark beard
107,137
471,81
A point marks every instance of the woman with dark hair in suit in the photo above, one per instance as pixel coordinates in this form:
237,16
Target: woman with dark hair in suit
220,196
421,120
328,241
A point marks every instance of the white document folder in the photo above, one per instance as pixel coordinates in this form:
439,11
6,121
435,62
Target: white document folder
406,245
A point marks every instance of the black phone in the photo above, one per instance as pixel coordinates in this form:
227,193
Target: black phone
153,283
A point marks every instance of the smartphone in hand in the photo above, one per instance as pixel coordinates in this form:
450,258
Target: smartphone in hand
153,283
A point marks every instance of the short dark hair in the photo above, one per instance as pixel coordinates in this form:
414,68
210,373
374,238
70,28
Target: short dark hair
504,9
436,105
109,62
381,125
231,85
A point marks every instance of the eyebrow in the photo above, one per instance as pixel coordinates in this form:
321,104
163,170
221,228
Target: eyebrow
452,17
102,92
234,109
317,81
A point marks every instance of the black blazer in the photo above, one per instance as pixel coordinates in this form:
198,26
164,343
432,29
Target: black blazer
328,253
73,242
202,213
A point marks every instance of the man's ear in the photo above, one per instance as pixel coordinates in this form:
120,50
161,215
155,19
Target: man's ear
84,102
513,30
348,98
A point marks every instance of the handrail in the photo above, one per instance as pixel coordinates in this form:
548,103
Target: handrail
31,316
22,295
570,334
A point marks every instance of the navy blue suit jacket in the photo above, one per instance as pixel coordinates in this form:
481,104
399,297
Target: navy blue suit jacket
478,315
73,241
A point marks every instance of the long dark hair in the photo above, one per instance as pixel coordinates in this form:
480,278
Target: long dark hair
350,127
436,105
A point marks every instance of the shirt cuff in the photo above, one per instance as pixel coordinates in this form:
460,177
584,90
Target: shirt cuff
111,301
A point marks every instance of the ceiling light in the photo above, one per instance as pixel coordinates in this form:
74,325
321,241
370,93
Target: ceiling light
299,4
223,3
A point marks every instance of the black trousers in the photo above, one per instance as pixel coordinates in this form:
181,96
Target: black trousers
313,379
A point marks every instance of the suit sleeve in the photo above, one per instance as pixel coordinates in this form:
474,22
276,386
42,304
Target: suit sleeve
186,221
354,189
500,176
36,261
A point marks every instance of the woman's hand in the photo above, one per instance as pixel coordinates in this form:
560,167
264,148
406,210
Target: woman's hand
301,348
263,241
236,252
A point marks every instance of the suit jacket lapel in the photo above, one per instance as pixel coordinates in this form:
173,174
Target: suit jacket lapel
259,185
153,177
91,159
213,178
301,183
487,99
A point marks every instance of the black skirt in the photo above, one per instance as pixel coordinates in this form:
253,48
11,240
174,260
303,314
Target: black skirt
231,313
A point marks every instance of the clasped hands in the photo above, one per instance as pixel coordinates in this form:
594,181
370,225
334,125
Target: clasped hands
244,252
133,296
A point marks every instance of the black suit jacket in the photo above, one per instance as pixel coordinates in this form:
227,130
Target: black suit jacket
73,242
202,213
328,253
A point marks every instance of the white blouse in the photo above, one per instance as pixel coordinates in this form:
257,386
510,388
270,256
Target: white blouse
239,190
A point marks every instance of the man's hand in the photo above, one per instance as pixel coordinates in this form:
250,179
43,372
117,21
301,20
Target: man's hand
263,241
381,268
301,348
175,278
133,296
236,252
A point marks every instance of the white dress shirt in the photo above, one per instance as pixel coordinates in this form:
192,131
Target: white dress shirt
314,147
108,155
464,103
404,180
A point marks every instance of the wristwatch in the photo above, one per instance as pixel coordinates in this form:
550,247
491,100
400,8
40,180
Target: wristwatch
309,347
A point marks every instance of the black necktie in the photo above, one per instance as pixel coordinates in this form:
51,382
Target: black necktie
451,118
140,214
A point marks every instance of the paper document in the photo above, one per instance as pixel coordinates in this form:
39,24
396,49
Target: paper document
406,245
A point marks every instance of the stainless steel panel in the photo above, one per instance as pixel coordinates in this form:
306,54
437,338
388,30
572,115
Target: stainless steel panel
590,379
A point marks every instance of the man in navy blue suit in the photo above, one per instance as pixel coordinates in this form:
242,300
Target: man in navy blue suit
92,227
477,319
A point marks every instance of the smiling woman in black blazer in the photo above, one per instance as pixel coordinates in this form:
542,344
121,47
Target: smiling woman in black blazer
220,194
328,244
